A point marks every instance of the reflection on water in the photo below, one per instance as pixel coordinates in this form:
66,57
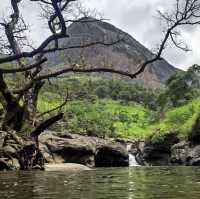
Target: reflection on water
117,183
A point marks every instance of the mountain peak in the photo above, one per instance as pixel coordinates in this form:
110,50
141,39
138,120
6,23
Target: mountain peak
126,55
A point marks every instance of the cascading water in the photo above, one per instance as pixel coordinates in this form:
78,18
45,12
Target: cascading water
132,160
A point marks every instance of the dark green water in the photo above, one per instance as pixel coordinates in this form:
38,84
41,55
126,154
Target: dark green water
120,183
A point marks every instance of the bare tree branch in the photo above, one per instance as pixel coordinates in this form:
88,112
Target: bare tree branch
19,70
46,124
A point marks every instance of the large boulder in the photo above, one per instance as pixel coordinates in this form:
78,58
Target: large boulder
58,149
156,153
179,153
72,148
111,155
194,156
184,153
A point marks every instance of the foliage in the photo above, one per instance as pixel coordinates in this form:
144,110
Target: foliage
90,87
180,119
110,108
102,118
181,88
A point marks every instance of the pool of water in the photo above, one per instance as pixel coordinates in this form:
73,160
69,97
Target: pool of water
113,183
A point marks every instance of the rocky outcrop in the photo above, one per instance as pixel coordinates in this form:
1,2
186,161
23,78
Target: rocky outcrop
17,153
185,153
125,55
57,149
156,153
111,155
89,151
169,151
188,152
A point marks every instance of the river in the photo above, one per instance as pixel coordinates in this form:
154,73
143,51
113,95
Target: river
112,183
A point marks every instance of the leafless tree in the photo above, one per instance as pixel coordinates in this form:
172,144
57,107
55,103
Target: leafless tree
186,12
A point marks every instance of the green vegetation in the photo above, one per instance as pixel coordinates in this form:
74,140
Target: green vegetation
179,120
99,117
118,108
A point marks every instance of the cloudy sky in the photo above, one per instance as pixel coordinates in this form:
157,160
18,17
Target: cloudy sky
138,18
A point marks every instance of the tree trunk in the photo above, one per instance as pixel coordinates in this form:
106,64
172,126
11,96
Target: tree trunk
31,99
13,117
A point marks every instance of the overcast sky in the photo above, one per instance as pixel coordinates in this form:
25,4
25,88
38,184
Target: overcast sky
136,17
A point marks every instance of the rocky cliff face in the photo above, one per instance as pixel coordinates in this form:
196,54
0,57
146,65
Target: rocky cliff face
126,55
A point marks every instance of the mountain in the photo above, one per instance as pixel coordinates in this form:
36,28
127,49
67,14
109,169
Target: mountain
125,55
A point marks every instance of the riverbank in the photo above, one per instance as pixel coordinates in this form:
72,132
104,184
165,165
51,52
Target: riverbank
60,148
64,151
169,151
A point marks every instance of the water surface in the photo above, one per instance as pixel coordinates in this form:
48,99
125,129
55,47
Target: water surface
114,183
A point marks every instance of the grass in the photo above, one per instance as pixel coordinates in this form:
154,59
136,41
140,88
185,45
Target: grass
179,120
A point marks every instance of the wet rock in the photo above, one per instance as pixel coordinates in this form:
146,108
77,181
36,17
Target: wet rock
184,153
111,155
179,153
194,156
131,145
156,153
14,164
4,164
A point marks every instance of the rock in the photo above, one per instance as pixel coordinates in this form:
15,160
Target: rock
3,164
18,154
60,148
131,145
38,167
184,153
9,150
179,153
72,148
30,156
156,153
111,155
66,167
63,150
194,156
14,164
125,55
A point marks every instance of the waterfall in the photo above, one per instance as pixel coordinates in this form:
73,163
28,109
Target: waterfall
132,160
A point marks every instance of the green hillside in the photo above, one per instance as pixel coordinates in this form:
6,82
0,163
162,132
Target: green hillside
104,107
107,107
